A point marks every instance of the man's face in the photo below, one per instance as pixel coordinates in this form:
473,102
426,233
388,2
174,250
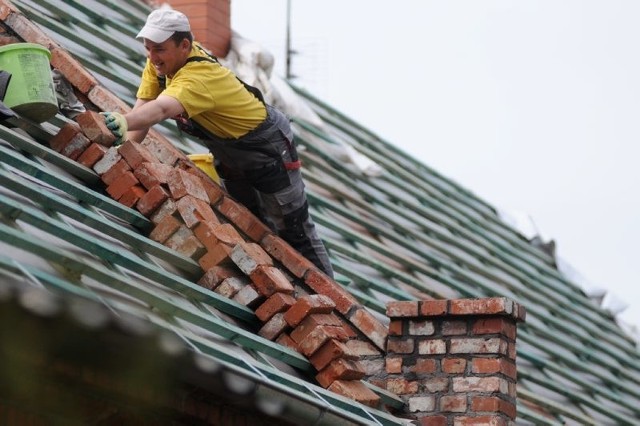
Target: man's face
167,57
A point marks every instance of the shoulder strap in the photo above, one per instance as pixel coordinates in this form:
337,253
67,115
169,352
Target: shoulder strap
162,80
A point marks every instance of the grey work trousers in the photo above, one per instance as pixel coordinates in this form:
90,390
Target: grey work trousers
256,170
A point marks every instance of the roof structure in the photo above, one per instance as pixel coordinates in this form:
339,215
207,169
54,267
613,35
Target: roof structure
405,233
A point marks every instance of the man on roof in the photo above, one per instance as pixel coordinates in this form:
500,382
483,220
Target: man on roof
251,141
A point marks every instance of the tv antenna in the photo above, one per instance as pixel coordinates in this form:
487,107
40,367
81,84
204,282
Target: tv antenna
290,52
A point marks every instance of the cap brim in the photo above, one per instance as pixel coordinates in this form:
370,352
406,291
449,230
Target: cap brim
154,34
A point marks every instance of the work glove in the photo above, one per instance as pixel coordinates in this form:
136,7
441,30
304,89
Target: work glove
117,124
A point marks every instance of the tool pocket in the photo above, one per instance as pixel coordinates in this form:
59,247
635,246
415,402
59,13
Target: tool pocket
269,179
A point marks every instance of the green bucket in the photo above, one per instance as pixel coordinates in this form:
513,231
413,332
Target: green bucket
31,93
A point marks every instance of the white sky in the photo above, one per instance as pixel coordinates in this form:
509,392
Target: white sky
532,105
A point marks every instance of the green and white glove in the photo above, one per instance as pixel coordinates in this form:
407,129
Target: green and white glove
117,124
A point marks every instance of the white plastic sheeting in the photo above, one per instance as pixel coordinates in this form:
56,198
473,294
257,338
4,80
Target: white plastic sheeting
525,225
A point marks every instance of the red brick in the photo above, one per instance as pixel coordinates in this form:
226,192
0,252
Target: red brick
511,350
92,155
168,208
500,325
231,286
521,314
269,280
479,384
493,366
421,403
318,336
453,403
213,189
356,390
402,386
193,211
75,147
361,348
395,327
27,30
432,347
64,136
433,307
333,349
322,284
184,242
152,174
454,328
215,256
152,200
340,369
121,184
306,305
401,346
117,170
480,421
136,154
487,306
74,72
110,159
491,345
370,327
454,365
279,302
287,341
242,218
248,256
436,420
132,196
94,128
436,384
217,274
393,365
182,183
421,328
280,250
162,149
402,309
274,327
6,8
248,296
424,366
351,332
493,404
164,229
212,234
310,323
107,101
4,38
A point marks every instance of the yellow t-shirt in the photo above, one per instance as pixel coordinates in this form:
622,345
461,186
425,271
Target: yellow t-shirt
210,94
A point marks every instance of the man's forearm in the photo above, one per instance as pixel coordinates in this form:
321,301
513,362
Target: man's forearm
143,116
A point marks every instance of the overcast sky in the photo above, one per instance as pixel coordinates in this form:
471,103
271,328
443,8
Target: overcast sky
532,105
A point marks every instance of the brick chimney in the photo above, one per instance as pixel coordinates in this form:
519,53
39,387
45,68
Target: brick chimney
454,361
210,22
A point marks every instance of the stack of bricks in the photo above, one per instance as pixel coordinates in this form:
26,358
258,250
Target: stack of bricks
454,362
240,257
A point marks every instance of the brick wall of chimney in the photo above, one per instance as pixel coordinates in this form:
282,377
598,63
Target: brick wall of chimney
454,361
210,22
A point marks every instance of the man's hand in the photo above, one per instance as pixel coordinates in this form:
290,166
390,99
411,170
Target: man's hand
117,124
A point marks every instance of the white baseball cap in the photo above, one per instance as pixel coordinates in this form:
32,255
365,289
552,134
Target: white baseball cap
162,23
